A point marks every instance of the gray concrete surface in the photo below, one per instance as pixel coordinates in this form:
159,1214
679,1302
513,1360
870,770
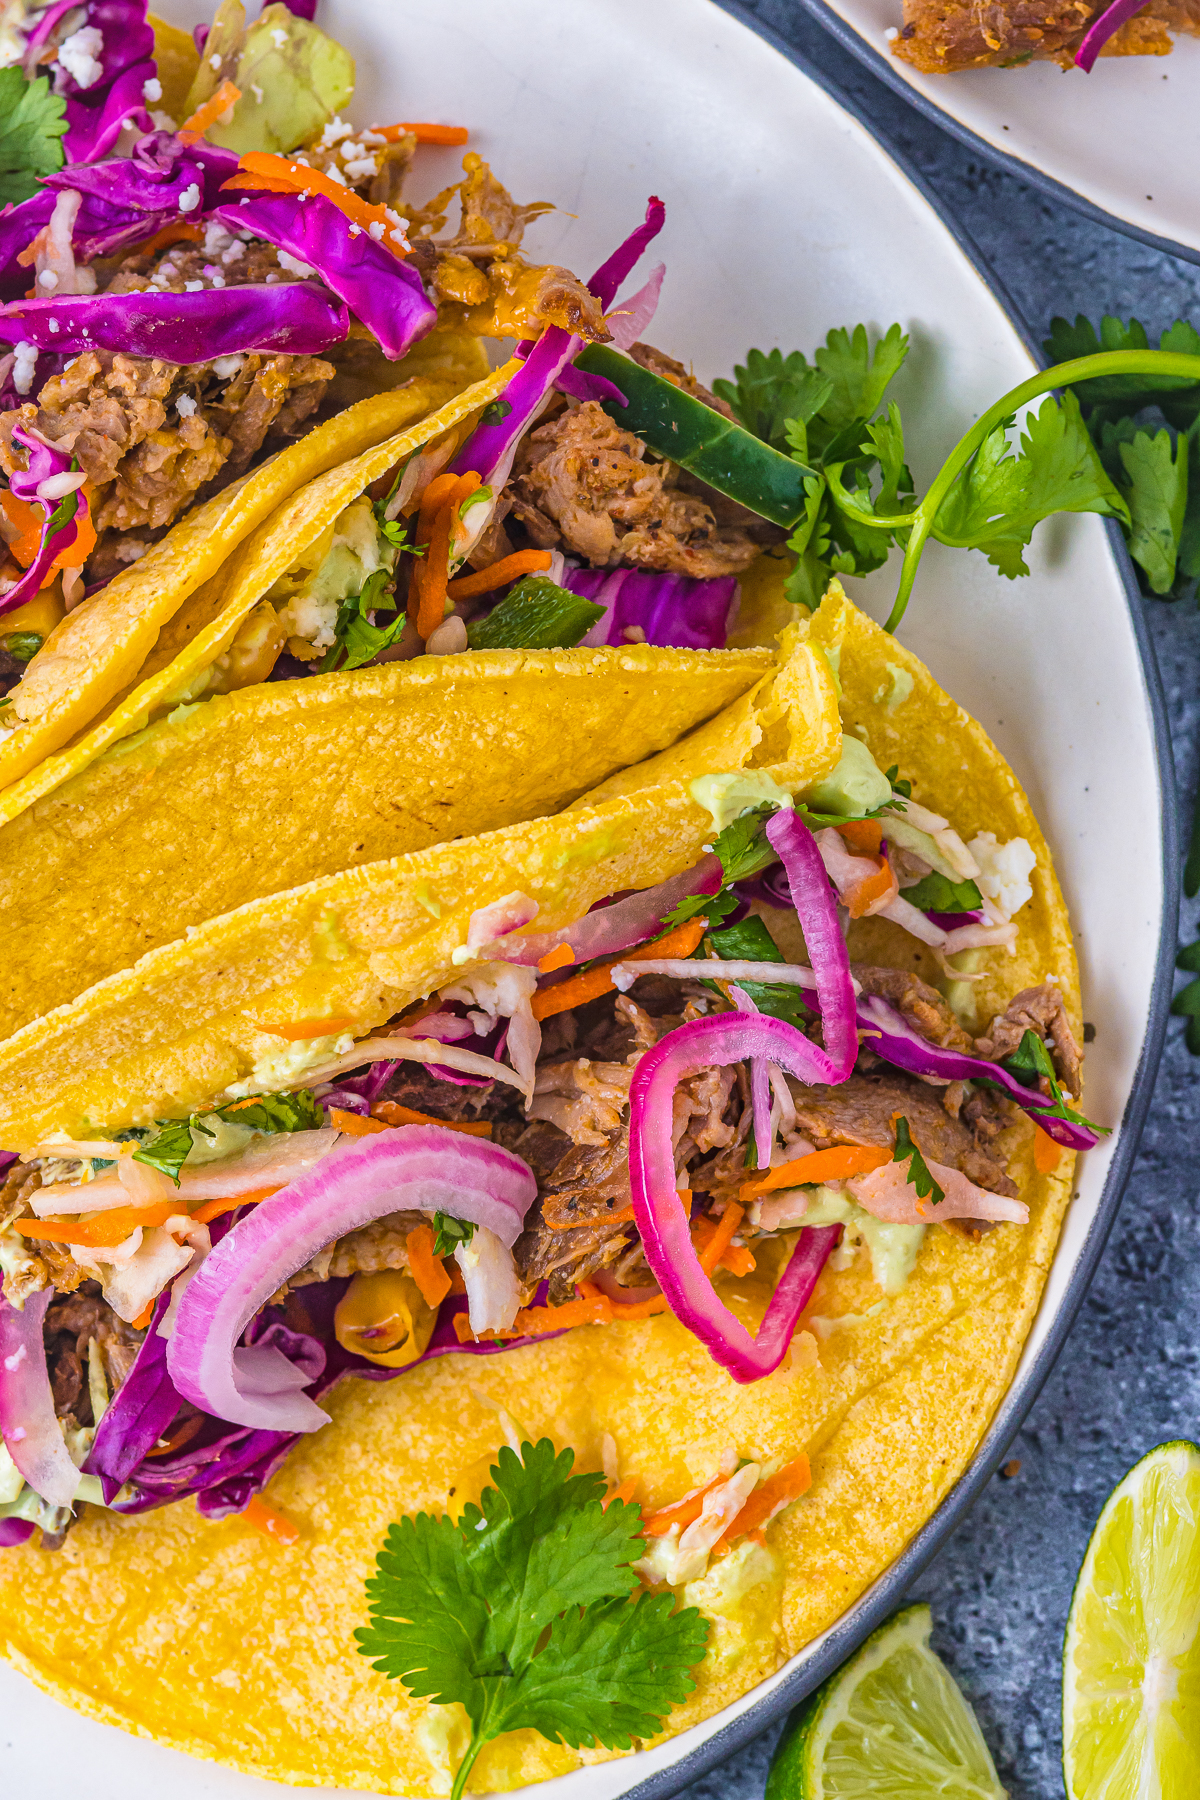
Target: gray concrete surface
1130,1375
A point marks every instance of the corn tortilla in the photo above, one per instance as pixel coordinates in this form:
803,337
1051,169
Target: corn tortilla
169,1626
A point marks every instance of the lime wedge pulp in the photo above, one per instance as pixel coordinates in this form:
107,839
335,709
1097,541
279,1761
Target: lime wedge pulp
1131,1660
890,1722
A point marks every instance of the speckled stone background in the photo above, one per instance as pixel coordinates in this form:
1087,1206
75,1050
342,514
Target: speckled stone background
1129,1377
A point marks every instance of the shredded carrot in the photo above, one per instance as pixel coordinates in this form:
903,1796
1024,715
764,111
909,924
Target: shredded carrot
213,1209
591,983
304,1029
864,894
435,572
105,1229
716,1246
457,1284
30,520
837,1164
188,1429
258,169
534,1321
424,134
193,129
432,502
392,1113
1046,1153
685,1197
521,562
680,1512
179,231
624,1491
140,1324
270,1521
738,1260
427,1270
786,1485
625,1310
560,958
863,835
353,1124
620,1218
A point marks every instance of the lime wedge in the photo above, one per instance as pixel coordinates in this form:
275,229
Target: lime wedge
891,1721
1131,1660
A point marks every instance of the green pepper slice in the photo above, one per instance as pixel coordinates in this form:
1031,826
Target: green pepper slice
710,446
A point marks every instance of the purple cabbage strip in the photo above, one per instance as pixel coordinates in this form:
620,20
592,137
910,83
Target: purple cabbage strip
490,448
303,9
13,1532
581,385
951,921
44,461
125,201
96,114
1101,29
297,317
44,25
681,610
225,1465
381,289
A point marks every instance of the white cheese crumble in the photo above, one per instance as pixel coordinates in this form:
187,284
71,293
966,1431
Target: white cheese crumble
47,279
152,90
189,200
292,264
1003,872
79,56
279,39
185,406
225,366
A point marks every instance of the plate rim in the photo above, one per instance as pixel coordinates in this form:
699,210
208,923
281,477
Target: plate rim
869,1611
884,69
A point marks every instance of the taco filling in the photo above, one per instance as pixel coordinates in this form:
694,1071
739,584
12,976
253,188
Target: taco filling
629,1115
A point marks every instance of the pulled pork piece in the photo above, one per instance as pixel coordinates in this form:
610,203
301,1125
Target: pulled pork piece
1042,1010
267,394
942,37
383,1244
583,1099
583,482
73,1323
659,363
921,1005
861,1110
563,1258
416,1086
490,215
698,1108
24,1271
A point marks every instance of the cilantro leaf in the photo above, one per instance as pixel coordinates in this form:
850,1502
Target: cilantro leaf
33,122
918,1169
859,374
714,907
168,1149
903,788
1157,493
936,893
451,1232
751,941
1030,1063
298,1111
520,1612
743,847
1000,496
772,391
356,639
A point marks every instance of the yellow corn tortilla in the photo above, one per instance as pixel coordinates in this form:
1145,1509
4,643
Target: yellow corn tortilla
210,1638
266,788
95,653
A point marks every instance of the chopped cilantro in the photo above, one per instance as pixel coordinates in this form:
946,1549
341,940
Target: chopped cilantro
918,1169
450,1233
356,638
935,892
169,1148
751,941
22,646
520,1612
33,122
495,413
1029,1063
536,614
903,788
299,1111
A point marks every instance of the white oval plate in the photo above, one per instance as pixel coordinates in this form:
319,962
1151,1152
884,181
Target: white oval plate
1120,144
785,218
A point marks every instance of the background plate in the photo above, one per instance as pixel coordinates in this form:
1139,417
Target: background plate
1120,144
785,218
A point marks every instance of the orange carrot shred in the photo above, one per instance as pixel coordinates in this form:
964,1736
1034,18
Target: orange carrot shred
873,887
106,1229
214,1209
270,1521
227,95
280,174
591,983
432,502
436,572
718,1243
521,562
624,1491
427,1269
794,1479
837,1164
561,957
679,1512
863,835
392,1113
140,1324
353,1124
424,133
1046,1153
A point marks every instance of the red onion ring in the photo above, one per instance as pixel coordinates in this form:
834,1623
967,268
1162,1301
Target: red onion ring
28,1424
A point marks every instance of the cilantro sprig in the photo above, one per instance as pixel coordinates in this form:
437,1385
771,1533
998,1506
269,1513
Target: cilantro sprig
520,1612
171,1144
919,1176
33,122
751,941
450,1233
1030,1063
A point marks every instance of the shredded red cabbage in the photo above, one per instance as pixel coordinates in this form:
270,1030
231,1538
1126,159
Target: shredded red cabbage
300,318
583,386
381,289
96,114
44,461
682,610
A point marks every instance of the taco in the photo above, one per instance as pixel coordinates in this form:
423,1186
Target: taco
454,1107
198,303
